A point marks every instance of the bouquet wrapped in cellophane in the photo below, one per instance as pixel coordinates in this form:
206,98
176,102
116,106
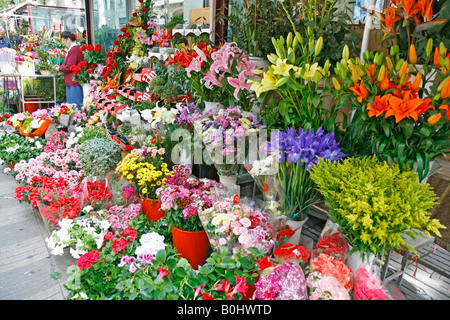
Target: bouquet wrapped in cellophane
238,224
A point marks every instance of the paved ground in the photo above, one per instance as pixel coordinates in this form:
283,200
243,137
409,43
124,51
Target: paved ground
27,270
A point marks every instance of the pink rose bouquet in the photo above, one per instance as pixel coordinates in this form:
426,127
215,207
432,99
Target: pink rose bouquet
229,222
367,286
325,287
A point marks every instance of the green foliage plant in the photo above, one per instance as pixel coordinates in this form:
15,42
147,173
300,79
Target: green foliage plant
99,155
375,204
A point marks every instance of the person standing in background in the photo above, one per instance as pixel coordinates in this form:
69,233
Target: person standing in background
4,40
74,91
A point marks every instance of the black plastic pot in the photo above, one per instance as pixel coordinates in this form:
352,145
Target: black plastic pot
205,171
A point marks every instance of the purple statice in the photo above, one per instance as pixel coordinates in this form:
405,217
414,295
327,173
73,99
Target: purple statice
306,147
187,115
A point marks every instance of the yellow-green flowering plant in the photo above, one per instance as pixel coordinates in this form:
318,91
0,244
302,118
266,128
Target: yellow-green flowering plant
375,204
146,170
296,75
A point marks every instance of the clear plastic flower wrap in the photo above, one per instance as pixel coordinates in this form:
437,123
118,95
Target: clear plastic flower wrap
368,286
280,280
300,253
237,224
328,265
264,173
331,242
96,193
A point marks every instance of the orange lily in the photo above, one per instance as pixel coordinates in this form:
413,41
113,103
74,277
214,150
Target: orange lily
434,119
371,72
380,105
437,54
417,81
403,108
446,108
360,91
424,106
445,91
385,83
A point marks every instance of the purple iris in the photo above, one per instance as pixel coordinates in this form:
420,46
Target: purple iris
306,147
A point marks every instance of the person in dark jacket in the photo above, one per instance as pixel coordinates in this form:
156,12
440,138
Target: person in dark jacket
74,91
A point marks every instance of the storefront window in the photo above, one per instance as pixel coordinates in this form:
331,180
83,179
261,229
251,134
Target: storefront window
57,18
109,17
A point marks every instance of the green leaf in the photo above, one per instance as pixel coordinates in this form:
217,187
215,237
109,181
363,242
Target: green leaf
161,255
180,272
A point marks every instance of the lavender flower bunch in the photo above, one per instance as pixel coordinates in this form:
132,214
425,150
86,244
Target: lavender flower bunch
225,134
299,151
187,116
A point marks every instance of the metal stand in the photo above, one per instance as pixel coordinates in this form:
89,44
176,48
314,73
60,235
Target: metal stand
10,83
22,97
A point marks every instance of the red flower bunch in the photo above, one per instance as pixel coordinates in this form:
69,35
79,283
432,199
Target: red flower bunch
184,57
224,286
332,244
93,57
95,193
113,61
4,117
290,252
87,259
329,265
126,236
28,194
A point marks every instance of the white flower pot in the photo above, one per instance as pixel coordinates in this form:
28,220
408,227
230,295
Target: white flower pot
86,90
295,225
64,120
354,261
228,180
216,106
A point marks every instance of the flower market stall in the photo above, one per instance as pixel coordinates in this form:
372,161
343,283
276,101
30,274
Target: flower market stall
143,185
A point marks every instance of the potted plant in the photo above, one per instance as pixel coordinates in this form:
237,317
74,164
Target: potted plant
44,65
99,156
182,197
298,151
15,148
375,204
146,170
226,135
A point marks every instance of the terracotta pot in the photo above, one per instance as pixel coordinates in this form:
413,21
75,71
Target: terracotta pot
192,245
30,106
11,165
152,209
